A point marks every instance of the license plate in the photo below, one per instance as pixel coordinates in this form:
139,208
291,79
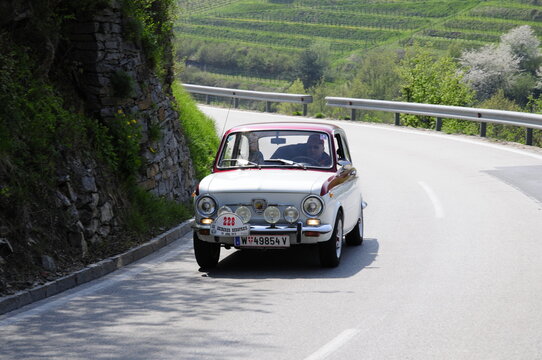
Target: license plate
263,241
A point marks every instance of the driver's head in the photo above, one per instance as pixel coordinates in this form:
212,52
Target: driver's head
253,141
315,146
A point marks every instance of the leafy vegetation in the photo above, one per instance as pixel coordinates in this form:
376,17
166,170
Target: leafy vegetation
469,52
200,130
150,23
44,130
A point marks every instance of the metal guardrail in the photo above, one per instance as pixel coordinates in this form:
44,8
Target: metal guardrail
483,116
236,94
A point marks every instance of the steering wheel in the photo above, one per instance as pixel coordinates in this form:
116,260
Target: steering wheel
305,159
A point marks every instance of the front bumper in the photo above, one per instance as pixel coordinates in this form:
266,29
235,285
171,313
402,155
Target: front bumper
299,233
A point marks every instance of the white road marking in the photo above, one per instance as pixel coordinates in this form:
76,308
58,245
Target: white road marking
439,211
129,272
334,344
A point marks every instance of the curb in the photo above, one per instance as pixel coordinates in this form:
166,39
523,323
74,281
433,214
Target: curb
93,271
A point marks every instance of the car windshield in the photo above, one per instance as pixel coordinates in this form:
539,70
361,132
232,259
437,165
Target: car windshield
276,148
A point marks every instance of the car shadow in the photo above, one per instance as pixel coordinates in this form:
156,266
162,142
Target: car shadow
297,262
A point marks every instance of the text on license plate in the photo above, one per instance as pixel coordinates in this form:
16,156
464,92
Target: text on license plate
262,241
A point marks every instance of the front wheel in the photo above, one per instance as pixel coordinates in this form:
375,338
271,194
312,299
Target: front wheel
355,237
207,254
331,250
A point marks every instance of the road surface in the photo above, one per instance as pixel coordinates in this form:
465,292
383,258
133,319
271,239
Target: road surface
449,269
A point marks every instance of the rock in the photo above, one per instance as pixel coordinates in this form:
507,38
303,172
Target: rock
77,240
5,247
106,212
48,263
62,200
73,214
89,184
104,231
91,228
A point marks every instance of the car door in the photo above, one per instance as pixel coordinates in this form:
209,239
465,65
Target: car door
347,192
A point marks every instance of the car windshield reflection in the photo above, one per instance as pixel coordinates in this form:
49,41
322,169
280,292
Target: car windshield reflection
276,148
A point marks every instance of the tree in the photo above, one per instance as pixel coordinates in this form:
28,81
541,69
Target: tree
426,79
511,65
377,77
313,63
524,44
489,69
291,108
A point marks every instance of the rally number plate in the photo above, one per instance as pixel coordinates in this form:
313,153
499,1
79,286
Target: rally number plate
263,241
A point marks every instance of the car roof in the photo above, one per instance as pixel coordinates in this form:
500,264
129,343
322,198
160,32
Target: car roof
305,126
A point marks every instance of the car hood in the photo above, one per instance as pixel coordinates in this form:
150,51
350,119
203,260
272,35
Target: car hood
268,181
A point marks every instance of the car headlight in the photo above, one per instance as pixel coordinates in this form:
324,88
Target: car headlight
313,206
206,206
272,214
244,213
223,210
291,214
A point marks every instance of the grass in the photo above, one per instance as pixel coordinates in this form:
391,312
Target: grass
151,213
200,131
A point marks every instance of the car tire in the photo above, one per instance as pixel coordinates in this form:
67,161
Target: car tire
331,250
355,237
207,254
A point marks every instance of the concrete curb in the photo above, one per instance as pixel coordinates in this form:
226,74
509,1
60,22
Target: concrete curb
93,271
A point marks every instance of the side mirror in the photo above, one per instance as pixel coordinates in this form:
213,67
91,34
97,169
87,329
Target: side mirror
345,165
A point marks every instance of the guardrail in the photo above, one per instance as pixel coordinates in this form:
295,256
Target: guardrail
483,116
236,94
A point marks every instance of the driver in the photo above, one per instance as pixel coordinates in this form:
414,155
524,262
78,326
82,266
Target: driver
315,149
255,155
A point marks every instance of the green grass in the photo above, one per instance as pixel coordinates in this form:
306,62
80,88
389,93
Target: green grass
149,212
350,26
200,131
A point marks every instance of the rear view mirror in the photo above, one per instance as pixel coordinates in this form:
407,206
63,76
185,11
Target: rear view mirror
278,141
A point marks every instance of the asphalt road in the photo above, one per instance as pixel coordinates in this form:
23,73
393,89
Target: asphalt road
449,269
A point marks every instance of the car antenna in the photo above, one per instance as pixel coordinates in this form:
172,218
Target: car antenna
225,121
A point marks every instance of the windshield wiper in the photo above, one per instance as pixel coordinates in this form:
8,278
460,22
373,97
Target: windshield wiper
243,163
287,162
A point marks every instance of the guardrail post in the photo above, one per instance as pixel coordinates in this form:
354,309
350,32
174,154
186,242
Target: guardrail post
353,114
236,103
438,125
207,99
397,119
304,109
267,106
483,129
528,136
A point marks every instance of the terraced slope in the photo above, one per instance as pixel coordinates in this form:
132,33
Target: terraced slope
347,26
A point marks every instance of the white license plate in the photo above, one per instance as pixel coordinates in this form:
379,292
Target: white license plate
262,241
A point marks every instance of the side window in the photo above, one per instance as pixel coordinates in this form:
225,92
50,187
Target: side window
342,148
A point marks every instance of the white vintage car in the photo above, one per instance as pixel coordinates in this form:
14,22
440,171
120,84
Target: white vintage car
277,185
